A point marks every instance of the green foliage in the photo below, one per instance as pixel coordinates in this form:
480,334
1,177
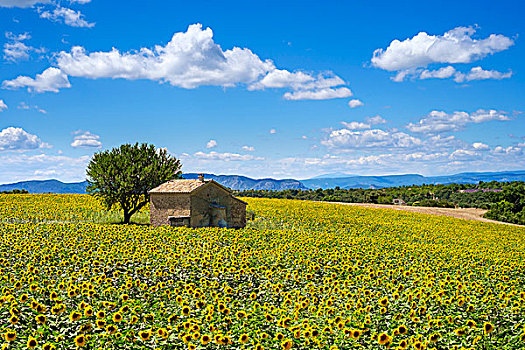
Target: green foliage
512,206
124,175
15,191
444,196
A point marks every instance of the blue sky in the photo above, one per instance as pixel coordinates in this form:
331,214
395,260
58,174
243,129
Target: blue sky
272,89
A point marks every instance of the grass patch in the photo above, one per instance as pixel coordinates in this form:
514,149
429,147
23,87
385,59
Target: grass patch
114,217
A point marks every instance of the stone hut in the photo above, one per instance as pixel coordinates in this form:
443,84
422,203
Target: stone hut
196,203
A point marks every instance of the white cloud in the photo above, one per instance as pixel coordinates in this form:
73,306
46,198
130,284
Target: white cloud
81,2
507,150
356,125
297,81
355,103
26,107
51,79
480,146
15,49
17,167
455,46
189,60
3,106
475,73
248,148
320,94
375,120
40,172
86,140
192,59
227,157
17,139
478,73
273,131
211,144
441,73
421,156
464,154
348,139
22,3
439,121
68,16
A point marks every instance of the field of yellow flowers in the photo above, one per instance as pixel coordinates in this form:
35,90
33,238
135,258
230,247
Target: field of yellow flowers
302,275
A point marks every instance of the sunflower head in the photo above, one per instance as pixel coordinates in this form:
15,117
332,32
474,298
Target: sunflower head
80,341
488,328
10,335
31,343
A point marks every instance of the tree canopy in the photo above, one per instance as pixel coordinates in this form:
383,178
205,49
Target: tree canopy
125,174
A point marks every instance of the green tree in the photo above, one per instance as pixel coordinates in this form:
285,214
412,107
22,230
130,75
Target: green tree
125,174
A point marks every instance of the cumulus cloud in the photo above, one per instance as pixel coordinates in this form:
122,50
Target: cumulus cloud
480,146
52,79
280,78
475,73
22,3
67,16
409,58
227,157
375,120
189,60
86,140
441,73
440,121
355,103
192,59
464,154
15,49
478,73
455,46
248,148
3,106
356,125
17,139
507,150
319,94
348,139
211,144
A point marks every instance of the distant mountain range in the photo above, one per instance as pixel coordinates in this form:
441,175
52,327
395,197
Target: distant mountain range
410,179
46,186
238,182
235,182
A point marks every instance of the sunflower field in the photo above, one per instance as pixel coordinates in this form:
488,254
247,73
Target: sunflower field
302,275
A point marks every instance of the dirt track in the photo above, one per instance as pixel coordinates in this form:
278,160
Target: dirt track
464,213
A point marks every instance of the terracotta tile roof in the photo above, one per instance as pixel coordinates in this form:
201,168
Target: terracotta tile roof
179,186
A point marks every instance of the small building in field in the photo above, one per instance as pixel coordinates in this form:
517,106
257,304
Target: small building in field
196,203
399,201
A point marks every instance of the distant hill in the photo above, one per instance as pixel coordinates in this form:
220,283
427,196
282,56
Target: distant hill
46,186
238,182
364,181
412,179
234,182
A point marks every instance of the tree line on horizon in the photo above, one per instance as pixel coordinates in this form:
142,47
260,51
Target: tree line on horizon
507,205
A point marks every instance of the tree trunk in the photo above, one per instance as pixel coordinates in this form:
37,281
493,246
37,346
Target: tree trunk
127,217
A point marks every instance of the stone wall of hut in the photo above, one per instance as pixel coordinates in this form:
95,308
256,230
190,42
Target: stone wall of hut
164,205
201,201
